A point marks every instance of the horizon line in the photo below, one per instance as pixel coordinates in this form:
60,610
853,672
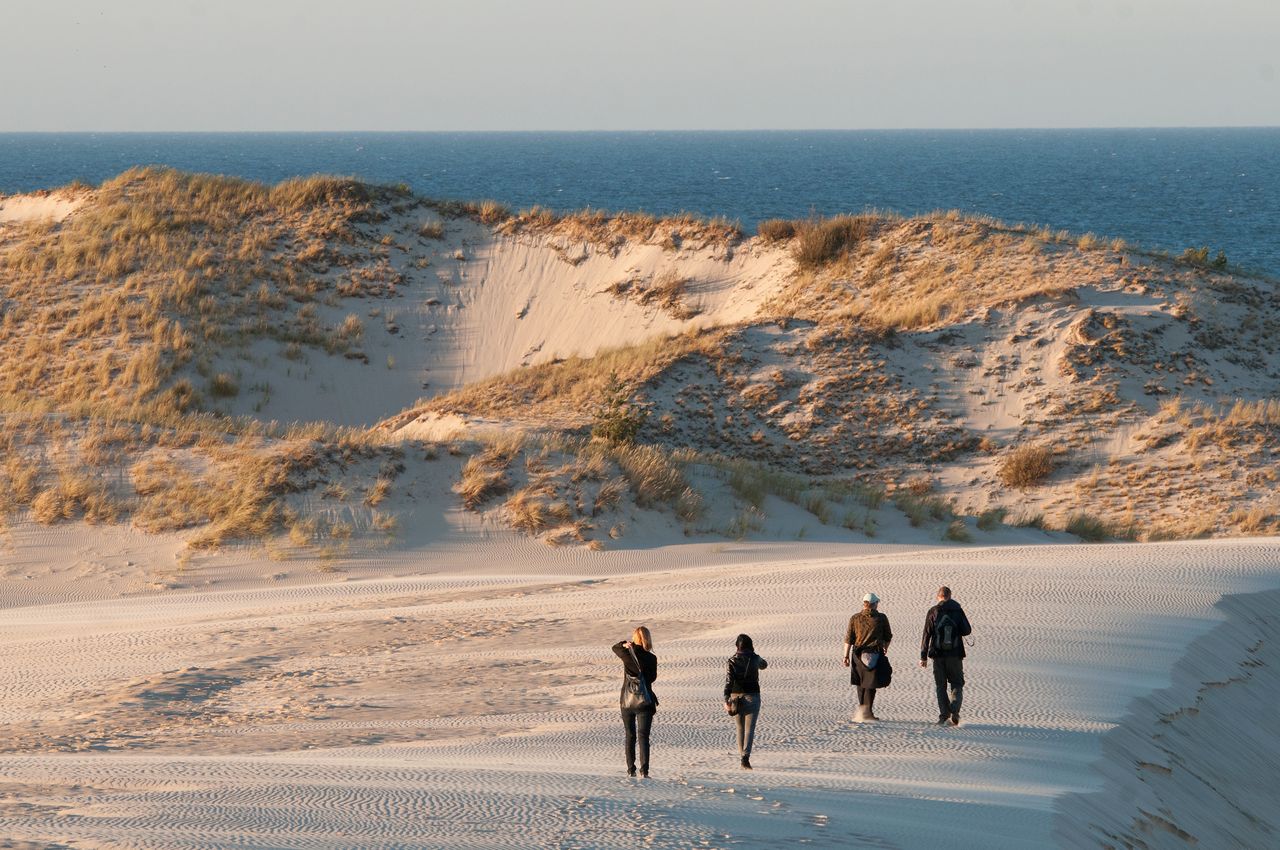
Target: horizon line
633,130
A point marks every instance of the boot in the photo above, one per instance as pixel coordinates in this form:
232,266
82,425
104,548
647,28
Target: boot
746,762
956,699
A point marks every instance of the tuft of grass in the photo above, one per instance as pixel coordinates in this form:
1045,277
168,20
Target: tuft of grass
991,519
492,212
823,241
776,229
818,506
654,476
744,522
608,496
527,511
957,532
922,509
223,385
378,492
753,483
480,482
1187,528
1026,466
1029,520
351,329
386,523
689,505
1087,527
431,230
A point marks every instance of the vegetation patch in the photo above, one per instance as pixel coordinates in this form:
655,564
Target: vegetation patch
1026,466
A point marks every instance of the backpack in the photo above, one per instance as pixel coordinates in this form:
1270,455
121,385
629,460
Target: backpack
945,637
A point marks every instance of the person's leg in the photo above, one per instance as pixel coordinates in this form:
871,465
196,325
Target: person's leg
629,724
940,685
955,676
869,708
740,725
749,724
644,722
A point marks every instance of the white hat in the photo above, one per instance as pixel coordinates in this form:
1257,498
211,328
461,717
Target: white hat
872,598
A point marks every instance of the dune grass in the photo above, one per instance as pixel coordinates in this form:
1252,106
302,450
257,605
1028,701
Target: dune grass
1026,466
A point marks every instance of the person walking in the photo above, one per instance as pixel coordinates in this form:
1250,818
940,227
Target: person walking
865,642
945,626
637,700
742,693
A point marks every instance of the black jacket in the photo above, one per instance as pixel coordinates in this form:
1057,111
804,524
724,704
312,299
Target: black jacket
648,663
952,607
743,674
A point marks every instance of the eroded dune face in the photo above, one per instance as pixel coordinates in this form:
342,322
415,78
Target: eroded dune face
476,304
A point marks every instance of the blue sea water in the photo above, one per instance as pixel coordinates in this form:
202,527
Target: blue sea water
1165,188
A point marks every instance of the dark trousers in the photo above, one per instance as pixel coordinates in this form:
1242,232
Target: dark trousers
949,670
745,721
637,724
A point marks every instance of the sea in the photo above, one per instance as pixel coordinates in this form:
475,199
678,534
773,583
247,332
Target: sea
1163,189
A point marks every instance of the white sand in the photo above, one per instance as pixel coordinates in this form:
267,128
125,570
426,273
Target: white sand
477,707
47,206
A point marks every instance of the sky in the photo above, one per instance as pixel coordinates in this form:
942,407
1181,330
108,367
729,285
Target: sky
231,65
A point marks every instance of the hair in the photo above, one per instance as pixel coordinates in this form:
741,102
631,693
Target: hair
744,644
867,606
642,637
944,592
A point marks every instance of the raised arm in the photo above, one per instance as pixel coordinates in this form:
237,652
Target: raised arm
623,652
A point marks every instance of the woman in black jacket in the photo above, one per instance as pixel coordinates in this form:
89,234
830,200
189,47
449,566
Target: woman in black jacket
742,693
638,722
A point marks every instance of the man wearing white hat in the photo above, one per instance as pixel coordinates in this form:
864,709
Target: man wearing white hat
865,642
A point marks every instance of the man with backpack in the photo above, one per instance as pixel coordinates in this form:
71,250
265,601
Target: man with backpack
945,626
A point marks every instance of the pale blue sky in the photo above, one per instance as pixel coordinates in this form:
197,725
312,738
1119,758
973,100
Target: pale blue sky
644,64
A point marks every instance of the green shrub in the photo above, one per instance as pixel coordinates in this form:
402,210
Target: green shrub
618,419
1199,257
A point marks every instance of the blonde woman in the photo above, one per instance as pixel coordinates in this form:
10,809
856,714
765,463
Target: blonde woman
637,700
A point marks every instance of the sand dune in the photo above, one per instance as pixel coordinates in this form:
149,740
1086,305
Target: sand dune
479,710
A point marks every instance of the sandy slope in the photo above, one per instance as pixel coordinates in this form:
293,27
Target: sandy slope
46,206
476,709
487,303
